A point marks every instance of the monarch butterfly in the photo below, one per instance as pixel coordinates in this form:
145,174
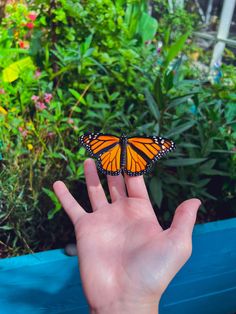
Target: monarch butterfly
132,155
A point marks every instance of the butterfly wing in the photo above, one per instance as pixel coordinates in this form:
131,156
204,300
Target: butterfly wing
106,149
142,152
136,164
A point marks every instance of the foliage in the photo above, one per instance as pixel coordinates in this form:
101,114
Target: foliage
175,21
68,67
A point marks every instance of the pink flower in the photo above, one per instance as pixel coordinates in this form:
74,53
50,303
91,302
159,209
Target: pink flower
2,91
32,16
23,132
29,25
50,134
40,105
37,73
70,121
35,98
47,98
159,46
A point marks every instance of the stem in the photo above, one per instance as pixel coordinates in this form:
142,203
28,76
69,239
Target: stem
82,95
53,39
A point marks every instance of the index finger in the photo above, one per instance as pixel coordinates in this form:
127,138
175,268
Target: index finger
69,203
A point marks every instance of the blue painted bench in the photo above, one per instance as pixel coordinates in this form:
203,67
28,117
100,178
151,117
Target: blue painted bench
49,282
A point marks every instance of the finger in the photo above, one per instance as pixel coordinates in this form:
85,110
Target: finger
185,217
95,190
71,206
116,186
136,187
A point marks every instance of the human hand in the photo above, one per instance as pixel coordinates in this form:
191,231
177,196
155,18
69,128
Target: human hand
126,259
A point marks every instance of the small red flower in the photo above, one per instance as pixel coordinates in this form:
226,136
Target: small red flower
24,44
32,16
29,25
21,44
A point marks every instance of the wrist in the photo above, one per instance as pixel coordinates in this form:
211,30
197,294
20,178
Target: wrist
126,308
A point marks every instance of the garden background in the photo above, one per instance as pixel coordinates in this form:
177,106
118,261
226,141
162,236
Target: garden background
69,67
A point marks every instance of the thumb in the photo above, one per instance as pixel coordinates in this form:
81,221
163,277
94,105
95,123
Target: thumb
185,217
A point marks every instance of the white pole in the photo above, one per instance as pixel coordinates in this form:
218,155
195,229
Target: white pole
223,30
208,12
171,7
201,13
179,4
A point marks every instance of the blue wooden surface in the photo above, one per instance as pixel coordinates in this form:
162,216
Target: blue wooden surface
49,282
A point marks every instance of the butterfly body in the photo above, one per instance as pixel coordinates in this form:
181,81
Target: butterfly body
123,143
132,155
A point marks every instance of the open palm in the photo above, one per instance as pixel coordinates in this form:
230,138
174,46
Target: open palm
126,259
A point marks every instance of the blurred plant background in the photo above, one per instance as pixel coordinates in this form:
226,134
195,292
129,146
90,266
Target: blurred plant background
69,67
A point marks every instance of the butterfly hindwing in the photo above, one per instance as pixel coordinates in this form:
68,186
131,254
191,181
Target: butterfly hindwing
109,161
136,165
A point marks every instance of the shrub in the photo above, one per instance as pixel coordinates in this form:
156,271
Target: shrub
75,69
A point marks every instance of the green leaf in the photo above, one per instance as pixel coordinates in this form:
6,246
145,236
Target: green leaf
78,96
156,191
180,129
6,227
13,71
209,196
55,201
222,151
207,165
215,172
168,80
179,100
183,162
159,97
167,36
202,183
88,42
188,145
147,27
114,96
175,48
99,65
152,105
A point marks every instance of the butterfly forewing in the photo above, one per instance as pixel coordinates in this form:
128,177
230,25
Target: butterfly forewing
97,143
105,149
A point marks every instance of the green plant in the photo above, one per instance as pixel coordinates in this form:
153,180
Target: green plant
176,20
98,66
202,123
48,96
